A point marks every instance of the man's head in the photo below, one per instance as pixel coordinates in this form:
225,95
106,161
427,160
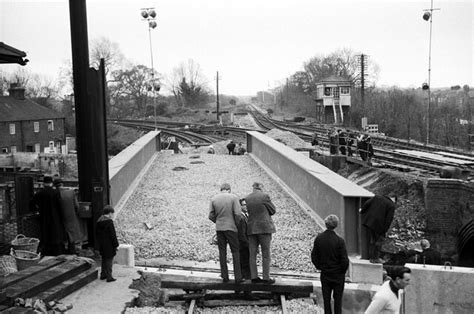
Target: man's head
331,222
48,181
225,187
108,210
243,205
58,182
401,276
425,244
257,186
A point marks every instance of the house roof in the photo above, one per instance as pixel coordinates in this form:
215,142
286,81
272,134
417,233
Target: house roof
8,54
12,109
334,79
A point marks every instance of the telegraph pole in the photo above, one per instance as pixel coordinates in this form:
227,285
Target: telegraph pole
362,79
217,94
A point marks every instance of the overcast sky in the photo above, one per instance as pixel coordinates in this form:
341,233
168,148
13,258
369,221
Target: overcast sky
255,43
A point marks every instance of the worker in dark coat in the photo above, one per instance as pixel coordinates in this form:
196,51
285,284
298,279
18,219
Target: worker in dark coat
244,240
69,209
329,255
429,255
231,148
47,203
107,242
376,216
365,148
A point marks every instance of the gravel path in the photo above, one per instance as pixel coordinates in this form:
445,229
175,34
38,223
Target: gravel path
176,205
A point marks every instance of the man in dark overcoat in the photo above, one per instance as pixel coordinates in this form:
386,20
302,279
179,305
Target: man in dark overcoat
107,240
47,203
329,255
69,209
259,230
376,216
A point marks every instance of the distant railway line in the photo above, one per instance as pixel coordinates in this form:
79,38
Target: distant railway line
388,151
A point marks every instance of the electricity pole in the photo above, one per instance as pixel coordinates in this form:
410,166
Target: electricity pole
217,94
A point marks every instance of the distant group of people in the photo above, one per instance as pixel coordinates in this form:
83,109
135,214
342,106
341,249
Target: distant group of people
245,225
342,142
60,228
236,150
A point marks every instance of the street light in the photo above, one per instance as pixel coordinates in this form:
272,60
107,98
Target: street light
149,15
428,16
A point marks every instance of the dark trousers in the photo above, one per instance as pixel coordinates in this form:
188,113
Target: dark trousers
332,284
374,244
224,237
244,261
106,270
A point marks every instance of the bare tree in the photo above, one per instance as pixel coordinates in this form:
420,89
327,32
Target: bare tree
188,84
103,48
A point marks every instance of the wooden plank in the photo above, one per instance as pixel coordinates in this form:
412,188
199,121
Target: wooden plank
19,310
44,280
220,303
283,304
186,282
30,271
191,306
69,286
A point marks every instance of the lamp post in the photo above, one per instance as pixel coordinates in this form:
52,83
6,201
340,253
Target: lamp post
428,16
149,15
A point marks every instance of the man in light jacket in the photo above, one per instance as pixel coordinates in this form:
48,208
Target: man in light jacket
259,230
225,211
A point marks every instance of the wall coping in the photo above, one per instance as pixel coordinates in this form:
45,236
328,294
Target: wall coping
121,159
326,176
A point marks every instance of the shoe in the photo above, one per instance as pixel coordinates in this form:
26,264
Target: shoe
239,281
111,279
268,281
257,280
103,277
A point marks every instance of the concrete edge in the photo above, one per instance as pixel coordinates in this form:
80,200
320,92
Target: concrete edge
123,200
308,210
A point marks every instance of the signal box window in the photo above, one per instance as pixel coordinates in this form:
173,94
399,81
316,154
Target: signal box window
36,126
344,90
12,128
50,125
327,91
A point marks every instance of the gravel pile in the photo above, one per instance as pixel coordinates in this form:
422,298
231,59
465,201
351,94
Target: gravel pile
175,205
287,138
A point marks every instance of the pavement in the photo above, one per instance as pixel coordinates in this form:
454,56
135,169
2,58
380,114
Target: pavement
104,297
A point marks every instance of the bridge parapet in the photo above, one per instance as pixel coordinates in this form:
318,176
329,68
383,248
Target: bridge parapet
125,167
317,188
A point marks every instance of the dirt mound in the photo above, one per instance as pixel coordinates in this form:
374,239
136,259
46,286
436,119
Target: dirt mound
409,222
288,138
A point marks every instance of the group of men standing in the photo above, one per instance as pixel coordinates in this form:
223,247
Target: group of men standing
57,206
245,225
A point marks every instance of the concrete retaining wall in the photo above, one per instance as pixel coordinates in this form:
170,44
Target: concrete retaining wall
125,167
436,289
322,190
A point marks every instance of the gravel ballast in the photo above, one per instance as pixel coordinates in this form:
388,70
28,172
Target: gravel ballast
175,204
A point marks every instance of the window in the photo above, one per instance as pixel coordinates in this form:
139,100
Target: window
50,125
12,128
344,90
13,149
29,148
36,126
37,148
327,91
4,149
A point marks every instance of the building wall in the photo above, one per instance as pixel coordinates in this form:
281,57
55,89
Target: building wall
26,136
449,205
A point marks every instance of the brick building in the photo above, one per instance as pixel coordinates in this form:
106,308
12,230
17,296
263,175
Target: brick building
26,126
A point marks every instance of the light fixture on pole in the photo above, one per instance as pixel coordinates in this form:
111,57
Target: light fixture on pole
428,16
149,15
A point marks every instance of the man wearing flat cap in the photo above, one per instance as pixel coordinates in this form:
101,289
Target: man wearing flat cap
225,211
47,203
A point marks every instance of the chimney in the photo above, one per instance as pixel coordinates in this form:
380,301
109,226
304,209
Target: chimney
16,91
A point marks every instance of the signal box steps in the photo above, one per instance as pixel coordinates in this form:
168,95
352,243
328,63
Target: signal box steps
57,276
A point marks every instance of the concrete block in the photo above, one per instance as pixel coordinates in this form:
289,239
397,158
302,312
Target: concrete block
438,289
125,255
363,271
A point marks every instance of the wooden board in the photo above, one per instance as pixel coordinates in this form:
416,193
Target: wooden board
219,303
193,283
35,284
